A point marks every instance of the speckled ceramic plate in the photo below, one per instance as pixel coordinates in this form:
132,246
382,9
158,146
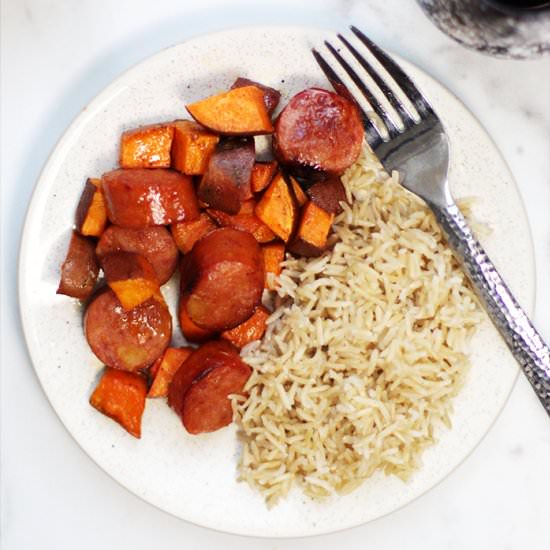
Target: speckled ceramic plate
195,478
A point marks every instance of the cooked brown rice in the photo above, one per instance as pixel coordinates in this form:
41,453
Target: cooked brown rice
365,352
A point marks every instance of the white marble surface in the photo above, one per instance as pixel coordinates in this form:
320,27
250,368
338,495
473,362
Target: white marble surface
56,55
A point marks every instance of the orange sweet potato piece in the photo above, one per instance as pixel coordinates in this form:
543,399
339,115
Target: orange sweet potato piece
311,237
80,269
278,209
271,95
238,112
186,234
166,367
328,194
262,174
226,182
273,254
192,332
120,395
147,146
192,147
91,212
245,220
252,329
299,194
131,277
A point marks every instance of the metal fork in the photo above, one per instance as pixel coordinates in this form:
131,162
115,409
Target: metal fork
419,150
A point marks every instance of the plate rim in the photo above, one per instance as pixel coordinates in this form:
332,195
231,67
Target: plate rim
81,118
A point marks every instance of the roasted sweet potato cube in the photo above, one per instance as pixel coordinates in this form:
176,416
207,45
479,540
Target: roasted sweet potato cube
312,234
328,194
245,220
252,329
299,194
191,331
271,95
192,147
147,146
238,112
131,277
186,234
91,212
273,254
80,269
226,182
278,209
262,174
168,364
120,395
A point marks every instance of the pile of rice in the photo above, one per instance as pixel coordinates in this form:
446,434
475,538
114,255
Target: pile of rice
365,352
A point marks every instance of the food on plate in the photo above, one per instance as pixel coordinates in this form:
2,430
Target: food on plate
91,212
252,329
278,208
238,112
328,195
127,339
224,278
190,330
139,197
163,369
80,269
204,406
147,146
226,182
131,277
299,194
271,95
192,147
186,234
318,133
245,220
367,381
154,243
120,395
262,174
273,256
312,235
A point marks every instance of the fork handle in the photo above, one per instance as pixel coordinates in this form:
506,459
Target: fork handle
520,335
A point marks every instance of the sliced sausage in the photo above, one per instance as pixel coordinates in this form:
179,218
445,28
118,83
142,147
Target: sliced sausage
80,268
140,197
226,182
318,132
127,339
271,95
208,356
224,276
206,406
154,243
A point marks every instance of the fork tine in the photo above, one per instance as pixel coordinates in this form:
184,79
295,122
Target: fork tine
395,71
374,137
375,104
406,116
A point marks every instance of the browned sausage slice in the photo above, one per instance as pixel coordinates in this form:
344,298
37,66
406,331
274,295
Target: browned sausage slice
154,243
127,339
224,276
318,132
206,406
80,268
226,182
141,197
328,195
271,95
208,356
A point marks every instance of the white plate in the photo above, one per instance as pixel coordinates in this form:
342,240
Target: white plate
194,477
